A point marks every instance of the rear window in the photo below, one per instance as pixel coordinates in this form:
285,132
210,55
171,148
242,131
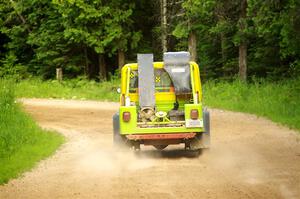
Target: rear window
162,80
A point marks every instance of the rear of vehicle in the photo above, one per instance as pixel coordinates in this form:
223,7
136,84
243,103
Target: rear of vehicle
161,104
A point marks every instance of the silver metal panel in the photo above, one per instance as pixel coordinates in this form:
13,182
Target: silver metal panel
176,58
178,67
146,80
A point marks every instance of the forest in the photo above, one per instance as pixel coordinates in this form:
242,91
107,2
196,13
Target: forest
248,52
229,39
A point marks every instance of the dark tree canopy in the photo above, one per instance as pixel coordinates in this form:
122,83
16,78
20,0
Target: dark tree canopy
90,37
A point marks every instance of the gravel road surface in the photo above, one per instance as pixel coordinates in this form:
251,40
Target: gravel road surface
250,157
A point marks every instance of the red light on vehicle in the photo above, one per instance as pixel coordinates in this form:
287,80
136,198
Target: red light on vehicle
126,116
194,114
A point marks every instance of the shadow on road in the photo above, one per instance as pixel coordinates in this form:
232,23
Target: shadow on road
169,154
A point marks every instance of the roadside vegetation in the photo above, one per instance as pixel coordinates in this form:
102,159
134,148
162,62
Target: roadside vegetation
278,101
22,141
78,88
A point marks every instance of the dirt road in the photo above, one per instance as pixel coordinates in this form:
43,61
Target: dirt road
250,158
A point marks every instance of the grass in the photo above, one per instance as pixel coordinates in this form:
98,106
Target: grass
22,142
69,89
279,101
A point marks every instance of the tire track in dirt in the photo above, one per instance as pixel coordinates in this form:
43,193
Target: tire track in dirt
250,157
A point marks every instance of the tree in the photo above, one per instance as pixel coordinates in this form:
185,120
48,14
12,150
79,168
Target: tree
164,33
100,26
14,29
194,20
227,38
277,29
243,44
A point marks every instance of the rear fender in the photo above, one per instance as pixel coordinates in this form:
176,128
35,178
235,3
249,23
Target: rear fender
131,124
187,113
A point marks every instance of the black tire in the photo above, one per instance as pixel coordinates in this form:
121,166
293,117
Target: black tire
118,139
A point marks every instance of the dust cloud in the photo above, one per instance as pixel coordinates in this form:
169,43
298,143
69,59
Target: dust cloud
250,157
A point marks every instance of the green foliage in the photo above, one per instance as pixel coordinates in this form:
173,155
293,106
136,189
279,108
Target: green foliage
67,34
22,142
181,31
9,68
79,88
276,24
97,25
276,101
270,29
81,36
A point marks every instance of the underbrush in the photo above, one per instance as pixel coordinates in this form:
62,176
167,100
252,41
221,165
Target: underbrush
22,141
278,101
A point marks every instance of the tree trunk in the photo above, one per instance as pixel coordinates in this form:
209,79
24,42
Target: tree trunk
193,46
86,67
102,67
243,44
164,42
121,59
59,74
224,54
243,61
223,49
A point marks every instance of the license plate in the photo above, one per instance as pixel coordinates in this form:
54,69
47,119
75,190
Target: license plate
193,123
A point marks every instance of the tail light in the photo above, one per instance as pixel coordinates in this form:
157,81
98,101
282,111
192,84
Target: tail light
194,114
126,116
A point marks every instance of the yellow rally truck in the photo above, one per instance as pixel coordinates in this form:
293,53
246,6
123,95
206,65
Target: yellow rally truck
161,104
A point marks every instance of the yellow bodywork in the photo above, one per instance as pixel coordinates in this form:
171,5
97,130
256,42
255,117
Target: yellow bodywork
160,96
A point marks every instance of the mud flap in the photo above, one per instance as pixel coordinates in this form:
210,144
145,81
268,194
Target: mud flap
119,141
116,129
202,140
206,135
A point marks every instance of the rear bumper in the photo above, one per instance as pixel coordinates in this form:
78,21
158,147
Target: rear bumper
160,136
134,127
